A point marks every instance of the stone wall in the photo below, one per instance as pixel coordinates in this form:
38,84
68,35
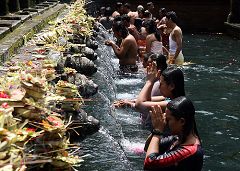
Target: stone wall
194,15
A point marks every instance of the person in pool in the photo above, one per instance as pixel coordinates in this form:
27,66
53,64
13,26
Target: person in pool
161,64
182,149
127,53
171,86
175,39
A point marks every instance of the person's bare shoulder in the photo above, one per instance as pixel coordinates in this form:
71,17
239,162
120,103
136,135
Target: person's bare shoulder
115,13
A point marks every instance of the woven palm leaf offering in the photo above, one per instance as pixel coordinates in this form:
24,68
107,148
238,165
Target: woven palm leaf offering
48,69
45,144
10,91
73,99
10,155
35,87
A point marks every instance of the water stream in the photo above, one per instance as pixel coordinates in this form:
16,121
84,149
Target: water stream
212,82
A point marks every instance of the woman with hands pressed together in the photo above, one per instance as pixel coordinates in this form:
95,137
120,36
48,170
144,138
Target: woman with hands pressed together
171,86
181,151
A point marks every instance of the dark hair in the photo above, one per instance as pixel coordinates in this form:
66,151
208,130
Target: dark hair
119,27
125,17
118,5
147,14
149,3
161,61
163,10
182,107
152,28
127,5
173,75
172,15
108,11
150,25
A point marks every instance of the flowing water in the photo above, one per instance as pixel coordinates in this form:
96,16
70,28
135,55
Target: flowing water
212,82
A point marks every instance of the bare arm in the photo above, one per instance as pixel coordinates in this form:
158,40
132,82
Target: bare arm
144,99
148,44
120,52
157,98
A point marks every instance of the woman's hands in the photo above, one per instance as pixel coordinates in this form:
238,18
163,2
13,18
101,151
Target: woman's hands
109,43
152,73
124,103
158,118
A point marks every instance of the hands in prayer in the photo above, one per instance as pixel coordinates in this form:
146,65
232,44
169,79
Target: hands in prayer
158,118
152,73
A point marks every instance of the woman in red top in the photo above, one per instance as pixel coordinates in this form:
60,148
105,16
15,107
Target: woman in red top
182,150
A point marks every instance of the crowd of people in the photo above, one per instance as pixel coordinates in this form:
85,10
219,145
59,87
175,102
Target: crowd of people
174,142
160,35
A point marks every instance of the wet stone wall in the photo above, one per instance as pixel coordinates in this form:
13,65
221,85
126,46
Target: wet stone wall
11,6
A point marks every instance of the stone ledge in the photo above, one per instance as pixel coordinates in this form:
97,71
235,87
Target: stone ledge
12,41
4,31
233,29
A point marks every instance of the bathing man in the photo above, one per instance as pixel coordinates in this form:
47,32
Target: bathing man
175,40
127,52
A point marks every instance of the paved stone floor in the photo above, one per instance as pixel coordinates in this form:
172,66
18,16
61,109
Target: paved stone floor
16,28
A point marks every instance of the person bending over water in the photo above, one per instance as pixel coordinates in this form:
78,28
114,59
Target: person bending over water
181,151
175,39
128,50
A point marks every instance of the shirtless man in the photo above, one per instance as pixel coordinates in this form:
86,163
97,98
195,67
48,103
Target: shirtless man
127,52
175,40
150,8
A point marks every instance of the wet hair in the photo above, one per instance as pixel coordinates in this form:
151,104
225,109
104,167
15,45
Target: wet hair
102,8
118,5
127,5
108,11
163,10
120,27
149,3
173,75
152,28
147,14
172,15
182,107
140,8
125,17
161,61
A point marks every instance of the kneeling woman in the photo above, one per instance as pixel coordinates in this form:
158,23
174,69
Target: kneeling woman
180,151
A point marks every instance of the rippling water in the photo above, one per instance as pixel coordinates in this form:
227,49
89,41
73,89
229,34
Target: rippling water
212,82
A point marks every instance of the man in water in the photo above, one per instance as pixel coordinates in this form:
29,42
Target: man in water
175,40
127,52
